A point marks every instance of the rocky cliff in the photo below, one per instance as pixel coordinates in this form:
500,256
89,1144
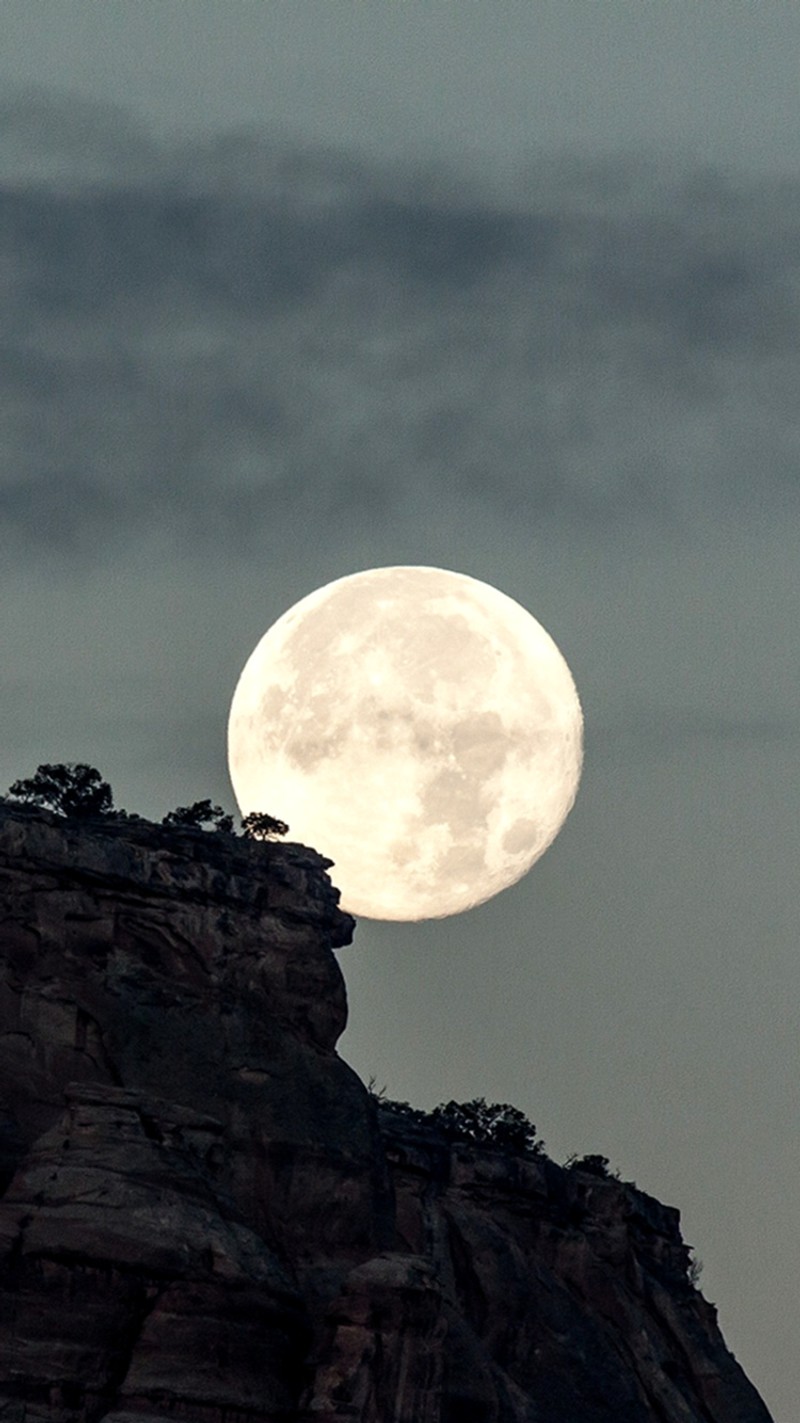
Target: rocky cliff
205,1216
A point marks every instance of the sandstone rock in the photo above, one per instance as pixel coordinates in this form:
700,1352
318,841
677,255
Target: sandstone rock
126,1275
205,1216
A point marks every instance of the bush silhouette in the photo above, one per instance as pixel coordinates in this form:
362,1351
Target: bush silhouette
260,826
72,789
200,813
495,1125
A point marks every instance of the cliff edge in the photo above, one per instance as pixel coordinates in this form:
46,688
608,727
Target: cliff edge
205,1215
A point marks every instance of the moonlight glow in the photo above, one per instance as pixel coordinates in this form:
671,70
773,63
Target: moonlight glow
419,728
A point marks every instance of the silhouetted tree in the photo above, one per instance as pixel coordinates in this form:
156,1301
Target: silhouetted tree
72,789
260,826
201,813
477,1123
495,1124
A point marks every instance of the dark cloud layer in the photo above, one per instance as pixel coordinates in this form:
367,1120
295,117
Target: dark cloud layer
196,337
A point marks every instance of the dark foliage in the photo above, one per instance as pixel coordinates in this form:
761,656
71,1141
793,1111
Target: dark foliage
402,1111
198,815
260,826
494,1125
72,789
75,789
592,1165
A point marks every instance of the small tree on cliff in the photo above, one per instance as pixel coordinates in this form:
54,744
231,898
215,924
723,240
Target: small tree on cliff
494,1124
260,826
200,813
72,789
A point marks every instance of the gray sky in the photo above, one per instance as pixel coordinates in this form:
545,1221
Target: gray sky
295,289
438,76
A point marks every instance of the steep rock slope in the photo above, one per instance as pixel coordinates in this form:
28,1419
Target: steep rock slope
205,1216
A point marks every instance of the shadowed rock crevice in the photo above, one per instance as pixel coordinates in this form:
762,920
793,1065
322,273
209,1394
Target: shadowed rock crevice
205,1215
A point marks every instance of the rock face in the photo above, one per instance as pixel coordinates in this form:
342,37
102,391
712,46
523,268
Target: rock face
204,1215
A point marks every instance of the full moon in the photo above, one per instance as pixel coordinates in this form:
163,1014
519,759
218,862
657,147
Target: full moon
417,727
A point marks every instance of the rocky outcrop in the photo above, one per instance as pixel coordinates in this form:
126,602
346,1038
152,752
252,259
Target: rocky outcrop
206,1216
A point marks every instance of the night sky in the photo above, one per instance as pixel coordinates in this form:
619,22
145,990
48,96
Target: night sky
292,289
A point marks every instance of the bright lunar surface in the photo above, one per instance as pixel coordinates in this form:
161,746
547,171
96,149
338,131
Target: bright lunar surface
417,727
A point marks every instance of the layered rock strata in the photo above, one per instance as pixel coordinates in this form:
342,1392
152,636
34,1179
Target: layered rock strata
205,1216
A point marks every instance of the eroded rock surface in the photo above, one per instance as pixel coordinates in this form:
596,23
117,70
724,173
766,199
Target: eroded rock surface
204,1215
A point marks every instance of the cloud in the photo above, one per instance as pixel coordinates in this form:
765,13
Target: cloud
661,732
62,138
211,338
